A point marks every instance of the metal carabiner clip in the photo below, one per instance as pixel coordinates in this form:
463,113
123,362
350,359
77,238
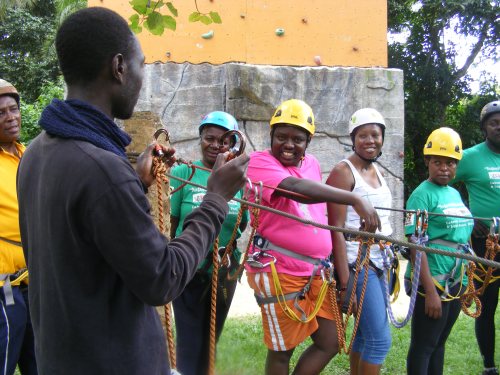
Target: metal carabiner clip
494,225
248,189
258,192
255,259
158,150
237,142
221,252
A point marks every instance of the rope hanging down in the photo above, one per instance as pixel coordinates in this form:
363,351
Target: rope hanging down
160,172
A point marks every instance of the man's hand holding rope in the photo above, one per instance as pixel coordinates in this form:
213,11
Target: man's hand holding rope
144,165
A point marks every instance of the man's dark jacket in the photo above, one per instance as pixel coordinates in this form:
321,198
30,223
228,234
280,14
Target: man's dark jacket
97,263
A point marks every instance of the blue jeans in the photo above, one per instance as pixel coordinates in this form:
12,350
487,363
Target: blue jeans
17,345
373,337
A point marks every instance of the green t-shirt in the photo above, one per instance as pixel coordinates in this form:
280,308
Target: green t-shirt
479,169
190,197
443,200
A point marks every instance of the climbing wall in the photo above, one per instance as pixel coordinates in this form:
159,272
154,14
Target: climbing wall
275,32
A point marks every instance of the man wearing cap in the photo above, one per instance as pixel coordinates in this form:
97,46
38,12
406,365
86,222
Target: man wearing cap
16,334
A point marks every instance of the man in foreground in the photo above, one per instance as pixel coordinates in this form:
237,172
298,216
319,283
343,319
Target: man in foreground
97,263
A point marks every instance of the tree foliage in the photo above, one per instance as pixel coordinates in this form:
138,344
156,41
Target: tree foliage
428,55
149,13
7,5
25,39
28,58
30,112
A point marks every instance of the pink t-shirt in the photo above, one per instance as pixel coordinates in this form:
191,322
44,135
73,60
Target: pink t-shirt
284,232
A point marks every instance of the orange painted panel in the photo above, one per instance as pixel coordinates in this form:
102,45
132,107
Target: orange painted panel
326,32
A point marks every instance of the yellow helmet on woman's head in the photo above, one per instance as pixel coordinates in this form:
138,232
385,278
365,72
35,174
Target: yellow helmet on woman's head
444,142
296,113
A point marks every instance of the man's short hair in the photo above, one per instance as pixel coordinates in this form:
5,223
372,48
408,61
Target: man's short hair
87,41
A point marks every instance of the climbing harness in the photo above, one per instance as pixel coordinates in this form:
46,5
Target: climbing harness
261,258
12,279
9,280
452,279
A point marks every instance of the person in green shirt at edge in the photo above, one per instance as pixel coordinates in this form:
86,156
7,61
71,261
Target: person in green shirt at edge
192,307
480,171
443,278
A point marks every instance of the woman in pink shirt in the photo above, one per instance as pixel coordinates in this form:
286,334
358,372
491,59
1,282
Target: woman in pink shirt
288,257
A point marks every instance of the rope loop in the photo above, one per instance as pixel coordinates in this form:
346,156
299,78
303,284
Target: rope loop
363,252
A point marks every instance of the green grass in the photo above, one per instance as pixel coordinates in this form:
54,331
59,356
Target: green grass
241,350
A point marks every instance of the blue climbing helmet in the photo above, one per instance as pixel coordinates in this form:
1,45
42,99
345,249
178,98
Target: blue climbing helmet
219,118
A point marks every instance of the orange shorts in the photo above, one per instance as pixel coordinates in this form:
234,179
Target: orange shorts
280,332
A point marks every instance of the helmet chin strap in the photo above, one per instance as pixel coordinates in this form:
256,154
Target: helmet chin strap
365,159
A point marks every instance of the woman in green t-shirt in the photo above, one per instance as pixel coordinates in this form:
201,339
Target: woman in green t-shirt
192,307
442,278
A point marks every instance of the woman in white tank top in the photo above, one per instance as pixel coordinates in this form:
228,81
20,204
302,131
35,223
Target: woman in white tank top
358,173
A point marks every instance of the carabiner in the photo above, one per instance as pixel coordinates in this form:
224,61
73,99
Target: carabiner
235,136
493,226
158,150
418,228
255,259
248,189
161,131
258,192
425,222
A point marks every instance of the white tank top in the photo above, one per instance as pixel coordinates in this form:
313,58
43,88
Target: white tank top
378,197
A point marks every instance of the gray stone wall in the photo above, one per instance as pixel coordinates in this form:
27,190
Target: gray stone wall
181,94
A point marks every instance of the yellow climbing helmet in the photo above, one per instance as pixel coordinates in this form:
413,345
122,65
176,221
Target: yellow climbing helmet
294,112
444,142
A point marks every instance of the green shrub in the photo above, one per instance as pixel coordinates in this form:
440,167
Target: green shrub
31,112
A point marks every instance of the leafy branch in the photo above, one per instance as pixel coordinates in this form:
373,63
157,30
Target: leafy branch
149,14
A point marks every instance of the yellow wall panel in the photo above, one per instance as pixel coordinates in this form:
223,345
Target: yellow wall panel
326,32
